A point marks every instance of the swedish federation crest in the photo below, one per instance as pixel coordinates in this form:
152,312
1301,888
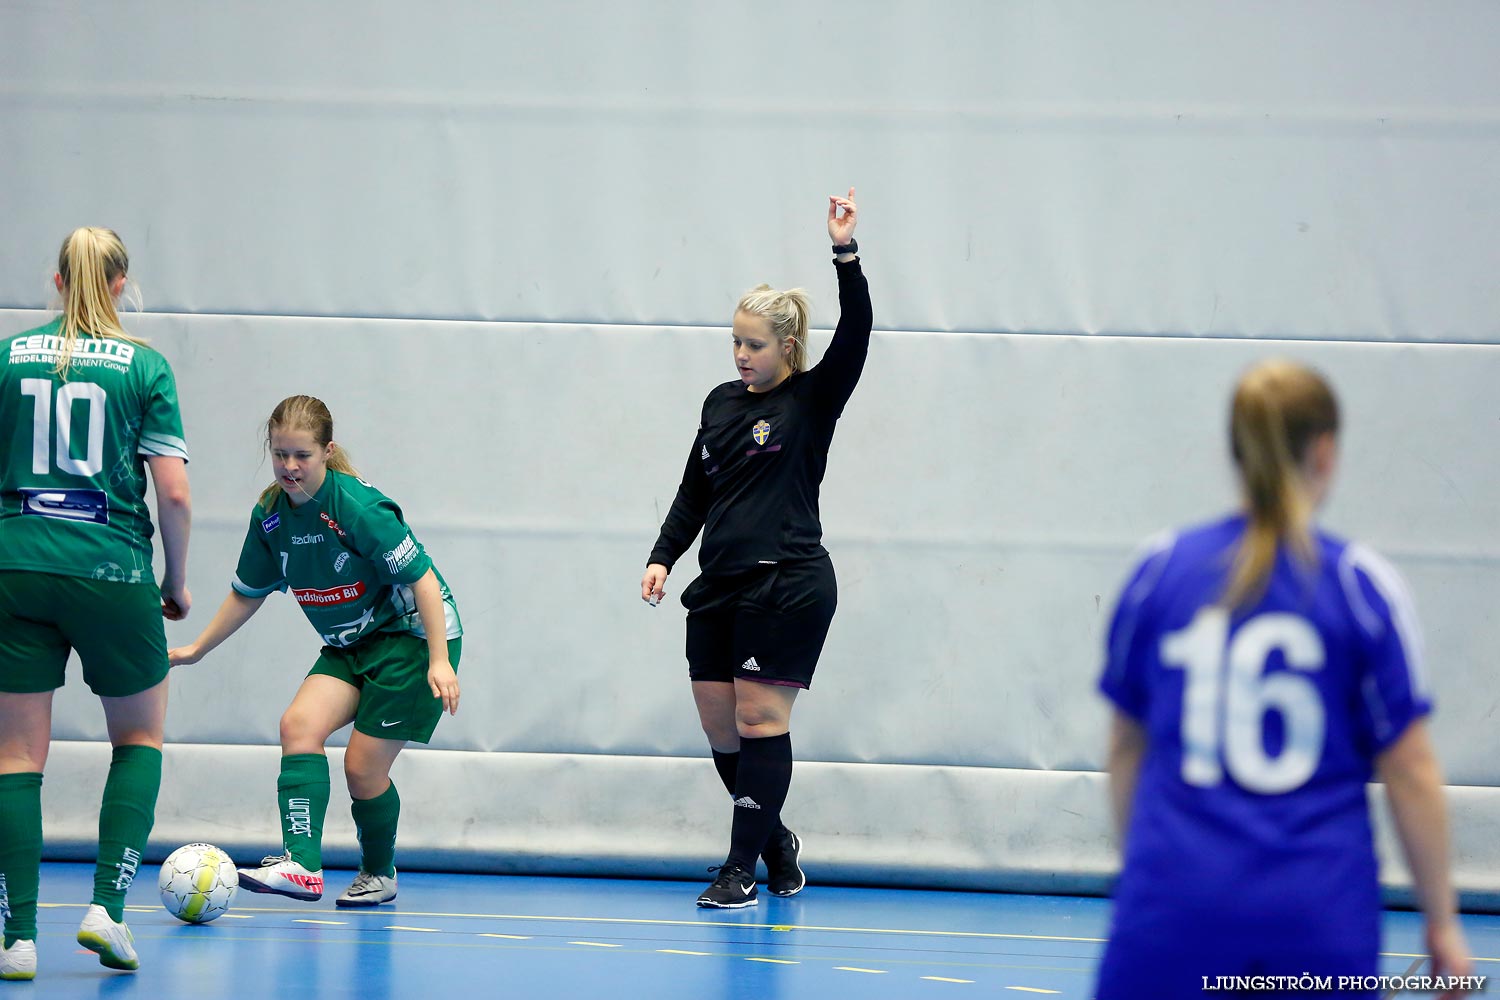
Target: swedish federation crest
761,432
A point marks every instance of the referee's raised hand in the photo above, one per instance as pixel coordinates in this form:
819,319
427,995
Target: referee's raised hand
841,227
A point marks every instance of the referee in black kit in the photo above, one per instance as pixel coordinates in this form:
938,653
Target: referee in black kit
760,610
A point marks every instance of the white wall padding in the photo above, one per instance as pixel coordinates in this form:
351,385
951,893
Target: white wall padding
1141,167
589,814
984,495
503,242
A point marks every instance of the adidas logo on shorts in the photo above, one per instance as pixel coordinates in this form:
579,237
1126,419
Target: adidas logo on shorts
746,802
750,664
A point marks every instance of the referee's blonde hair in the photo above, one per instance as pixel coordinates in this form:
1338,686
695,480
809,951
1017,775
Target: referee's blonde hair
305,413
1279,408
787,312
90,261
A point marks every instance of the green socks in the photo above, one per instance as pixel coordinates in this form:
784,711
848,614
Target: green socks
125,819
20,853
375,823
302,792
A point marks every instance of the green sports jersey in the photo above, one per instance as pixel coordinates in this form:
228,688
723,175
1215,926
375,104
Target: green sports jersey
347,557
73,451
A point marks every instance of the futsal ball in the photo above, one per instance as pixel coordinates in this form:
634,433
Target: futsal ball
197,883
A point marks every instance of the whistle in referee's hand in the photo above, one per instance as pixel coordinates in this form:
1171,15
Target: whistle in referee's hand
653,600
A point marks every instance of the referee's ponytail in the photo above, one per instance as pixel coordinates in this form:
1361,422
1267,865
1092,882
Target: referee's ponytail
788,314
89,264
1279,408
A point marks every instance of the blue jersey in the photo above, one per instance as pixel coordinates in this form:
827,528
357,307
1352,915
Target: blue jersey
1249,843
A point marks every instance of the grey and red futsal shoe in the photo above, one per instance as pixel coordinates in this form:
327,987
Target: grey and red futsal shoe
280,875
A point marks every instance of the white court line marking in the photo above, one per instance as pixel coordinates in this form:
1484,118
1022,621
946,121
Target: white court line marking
424,930
509,937
1031,989
140,909
945,979
675,951
978,935
595,944
330,923
773,961
850,968
235,916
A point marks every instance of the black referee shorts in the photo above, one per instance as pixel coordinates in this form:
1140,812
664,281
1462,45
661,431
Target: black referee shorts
770,631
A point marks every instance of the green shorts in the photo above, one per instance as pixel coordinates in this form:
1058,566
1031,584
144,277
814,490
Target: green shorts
390,671
116,628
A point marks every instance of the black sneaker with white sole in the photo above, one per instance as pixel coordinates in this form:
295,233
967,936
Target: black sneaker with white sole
784,876
733,889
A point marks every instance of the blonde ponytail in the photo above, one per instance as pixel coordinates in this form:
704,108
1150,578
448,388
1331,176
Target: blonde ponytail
90,261
788,313
1279,408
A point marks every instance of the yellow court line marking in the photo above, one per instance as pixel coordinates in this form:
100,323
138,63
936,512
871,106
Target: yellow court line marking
1031,989
675,951
850,968
425,930
596,944
331,923
980,935
510,937
774,961
641,921
945,979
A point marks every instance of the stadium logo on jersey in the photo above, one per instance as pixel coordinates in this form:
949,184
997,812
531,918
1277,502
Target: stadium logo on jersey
271,523
308,539
761,432
339,561
333,595
401,556
332,524
86,506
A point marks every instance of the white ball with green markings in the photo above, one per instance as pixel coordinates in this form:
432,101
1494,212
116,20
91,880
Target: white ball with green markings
197,883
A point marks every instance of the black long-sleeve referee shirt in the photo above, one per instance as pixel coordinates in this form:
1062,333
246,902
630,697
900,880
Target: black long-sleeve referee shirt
751,481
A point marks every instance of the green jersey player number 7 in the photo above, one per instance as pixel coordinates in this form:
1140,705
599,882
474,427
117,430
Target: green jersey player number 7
391,644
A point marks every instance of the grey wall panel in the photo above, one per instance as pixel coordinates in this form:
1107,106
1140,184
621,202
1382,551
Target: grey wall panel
1144,167
982,502
983,499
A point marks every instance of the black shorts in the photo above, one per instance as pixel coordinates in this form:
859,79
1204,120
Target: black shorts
770,630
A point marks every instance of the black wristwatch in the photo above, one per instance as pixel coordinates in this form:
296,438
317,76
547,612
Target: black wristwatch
851,247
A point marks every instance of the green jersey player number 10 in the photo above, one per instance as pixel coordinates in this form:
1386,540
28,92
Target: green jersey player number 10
46,415
1243,696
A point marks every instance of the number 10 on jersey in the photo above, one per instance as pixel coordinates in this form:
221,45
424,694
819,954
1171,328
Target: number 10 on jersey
40,389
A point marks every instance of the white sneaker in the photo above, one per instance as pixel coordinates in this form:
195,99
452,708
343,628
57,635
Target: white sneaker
112,941
18,961
281,875
369,890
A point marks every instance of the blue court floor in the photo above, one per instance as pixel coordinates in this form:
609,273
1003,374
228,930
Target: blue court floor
542,938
